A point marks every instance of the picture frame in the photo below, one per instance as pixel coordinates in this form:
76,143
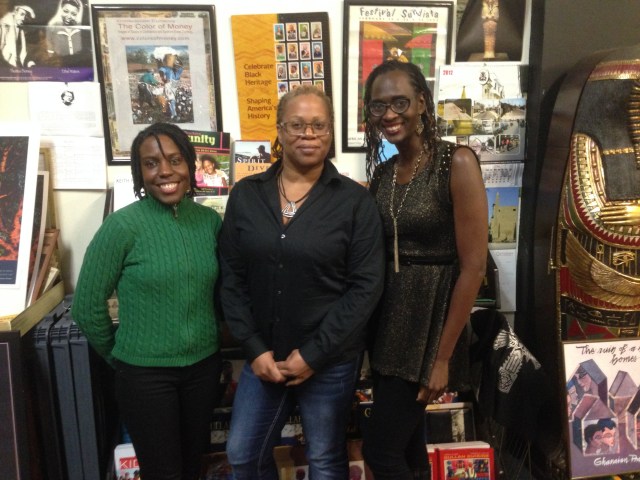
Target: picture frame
602,406
155,63
415,31
14,443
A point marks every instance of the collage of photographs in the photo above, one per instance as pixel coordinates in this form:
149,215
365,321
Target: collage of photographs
299,54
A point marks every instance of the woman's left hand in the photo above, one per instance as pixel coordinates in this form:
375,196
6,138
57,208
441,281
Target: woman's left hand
437,383
295,369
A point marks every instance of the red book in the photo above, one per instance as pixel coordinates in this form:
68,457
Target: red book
464,460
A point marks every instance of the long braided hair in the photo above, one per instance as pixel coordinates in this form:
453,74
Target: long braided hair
179,137
372,135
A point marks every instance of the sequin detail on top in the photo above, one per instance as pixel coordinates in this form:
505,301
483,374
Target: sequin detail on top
416,299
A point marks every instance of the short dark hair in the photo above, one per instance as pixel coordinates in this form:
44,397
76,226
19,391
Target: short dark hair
210,158
419,83
276,149
178,136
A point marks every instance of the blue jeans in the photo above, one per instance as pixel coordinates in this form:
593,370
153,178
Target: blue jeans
260,410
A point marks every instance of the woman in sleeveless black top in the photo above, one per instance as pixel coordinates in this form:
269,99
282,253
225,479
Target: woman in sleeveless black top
434,209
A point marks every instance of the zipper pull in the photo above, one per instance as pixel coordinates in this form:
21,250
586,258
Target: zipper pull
175,211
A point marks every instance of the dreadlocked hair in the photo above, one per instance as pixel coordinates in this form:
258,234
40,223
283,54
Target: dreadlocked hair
373,138
178,136
276,148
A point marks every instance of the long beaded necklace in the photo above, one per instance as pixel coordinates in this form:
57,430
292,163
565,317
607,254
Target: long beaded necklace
394,216
290,208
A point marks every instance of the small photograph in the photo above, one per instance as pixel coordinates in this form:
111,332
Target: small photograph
282,88
306,82
278,32
317,50
305,51
293,85
508,144
281,71
281,54
316,31
294,71
292,51
292,32
318,69
303,31
209,173
319,84
67,97
306,70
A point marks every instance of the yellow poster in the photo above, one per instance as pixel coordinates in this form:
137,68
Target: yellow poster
276,53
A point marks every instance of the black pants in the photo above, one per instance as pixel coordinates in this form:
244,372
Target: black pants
394,444
167,411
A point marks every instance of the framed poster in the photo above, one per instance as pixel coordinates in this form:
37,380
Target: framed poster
155,63
19,151
375,31
603,406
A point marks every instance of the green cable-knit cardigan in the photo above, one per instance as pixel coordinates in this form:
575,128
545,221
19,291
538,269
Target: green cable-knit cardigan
162,262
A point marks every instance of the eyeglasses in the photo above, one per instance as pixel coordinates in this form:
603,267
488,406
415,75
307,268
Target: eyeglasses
297,127
398,105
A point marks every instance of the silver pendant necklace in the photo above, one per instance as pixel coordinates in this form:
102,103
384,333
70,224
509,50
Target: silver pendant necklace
395,215
290,208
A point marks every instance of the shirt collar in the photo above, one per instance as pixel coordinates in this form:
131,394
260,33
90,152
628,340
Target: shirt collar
329,173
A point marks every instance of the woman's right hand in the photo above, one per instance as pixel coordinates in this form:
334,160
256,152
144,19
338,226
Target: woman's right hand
264,367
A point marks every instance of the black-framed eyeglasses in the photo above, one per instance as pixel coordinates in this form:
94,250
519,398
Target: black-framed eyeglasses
296,127
398,105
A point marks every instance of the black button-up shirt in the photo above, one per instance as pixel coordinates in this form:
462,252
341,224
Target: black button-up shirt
311,284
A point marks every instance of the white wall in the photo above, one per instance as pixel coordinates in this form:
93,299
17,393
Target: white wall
80,212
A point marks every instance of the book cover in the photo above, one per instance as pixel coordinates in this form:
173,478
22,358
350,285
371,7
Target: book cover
215,202
250,157
464,460
126,462
220,428
213,165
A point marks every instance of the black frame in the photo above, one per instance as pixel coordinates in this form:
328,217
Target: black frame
378,11
117,153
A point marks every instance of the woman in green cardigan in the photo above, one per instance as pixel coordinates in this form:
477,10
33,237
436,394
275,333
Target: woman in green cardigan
160,255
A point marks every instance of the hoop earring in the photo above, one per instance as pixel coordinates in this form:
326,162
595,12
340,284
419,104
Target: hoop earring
419,126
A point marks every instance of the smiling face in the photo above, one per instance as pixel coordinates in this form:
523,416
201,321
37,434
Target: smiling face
398,128
69,14
165,173
307,150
